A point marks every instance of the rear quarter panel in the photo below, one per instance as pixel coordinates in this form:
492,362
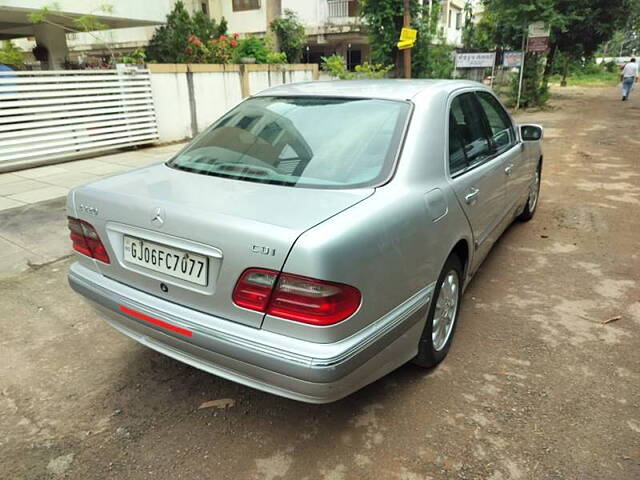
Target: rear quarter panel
391,245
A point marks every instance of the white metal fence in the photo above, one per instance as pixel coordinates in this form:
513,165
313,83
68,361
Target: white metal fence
49,115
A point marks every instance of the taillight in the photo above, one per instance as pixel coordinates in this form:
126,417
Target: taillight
253,289
85,240
297,298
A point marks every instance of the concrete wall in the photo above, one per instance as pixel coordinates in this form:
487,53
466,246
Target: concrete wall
188,98
215,92
262,77
171,100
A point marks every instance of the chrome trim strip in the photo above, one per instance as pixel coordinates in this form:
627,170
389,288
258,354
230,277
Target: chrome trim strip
386,324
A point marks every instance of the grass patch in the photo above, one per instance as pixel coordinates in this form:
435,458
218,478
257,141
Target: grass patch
601,79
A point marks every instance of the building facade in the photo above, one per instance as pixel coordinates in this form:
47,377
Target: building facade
332,26
54,37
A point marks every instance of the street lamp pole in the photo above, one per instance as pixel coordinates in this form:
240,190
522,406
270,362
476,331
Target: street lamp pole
406,23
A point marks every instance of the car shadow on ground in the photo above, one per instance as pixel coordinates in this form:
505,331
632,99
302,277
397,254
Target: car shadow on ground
153,382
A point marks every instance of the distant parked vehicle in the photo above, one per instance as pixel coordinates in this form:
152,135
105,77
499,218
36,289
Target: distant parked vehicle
314,238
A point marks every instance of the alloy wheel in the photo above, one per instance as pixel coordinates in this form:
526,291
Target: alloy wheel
446,310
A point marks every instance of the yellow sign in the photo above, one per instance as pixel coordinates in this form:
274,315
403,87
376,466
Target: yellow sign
407,38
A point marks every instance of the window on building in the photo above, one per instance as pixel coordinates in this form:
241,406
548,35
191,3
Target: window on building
458,20
240,5
450,18
205,8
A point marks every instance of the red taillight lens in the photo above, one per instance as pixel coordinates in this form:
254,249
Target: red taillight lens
313,301
253,289
85,240
297,298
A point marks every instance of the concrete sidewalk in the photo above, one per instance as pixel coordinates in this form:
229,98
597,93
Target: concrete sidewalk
26,187
33,227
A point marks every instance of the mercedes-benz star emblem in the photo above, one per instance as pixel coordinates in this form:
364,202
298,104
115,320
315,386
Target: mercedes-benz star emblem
157,217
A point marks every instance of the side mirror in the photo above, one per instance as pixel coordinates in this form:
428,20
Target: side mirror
531,133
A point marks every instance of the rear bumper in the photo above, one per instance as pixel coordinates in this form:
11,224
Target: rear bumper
293,368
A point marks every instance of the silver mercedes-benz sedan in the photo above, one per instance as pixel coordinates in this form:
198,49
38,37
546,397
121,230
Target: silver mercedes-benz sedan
314,238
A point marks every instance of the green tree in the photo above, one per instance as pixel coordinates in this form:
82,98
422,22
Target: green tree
626,40
384,22
10,54
291,35
430,57
577,28
171,41
476,35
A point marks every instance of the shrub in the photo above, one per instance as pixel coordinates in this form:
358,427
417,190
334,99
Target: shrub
335,66
251,47
10,55
535,92
135,57
223,48
172,42
276,58
291,35
375,70
611,67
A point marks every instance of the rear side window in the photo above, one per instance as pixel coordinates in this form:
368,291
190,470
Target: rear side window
315,142
468,143
503,135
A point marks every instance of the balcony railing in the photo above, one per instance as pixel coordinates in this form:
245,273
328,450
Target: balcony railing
342,8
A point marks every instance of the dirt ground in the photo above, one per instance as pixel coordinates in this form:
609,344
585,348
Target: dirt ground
535,386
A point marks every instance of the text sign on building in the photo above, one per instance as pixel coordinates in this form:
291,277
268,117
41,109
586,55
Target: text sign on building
512,59
538,29
475,60
538,44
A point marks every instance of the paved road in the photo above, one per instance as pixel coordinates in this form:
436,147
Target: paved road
32,230
535,386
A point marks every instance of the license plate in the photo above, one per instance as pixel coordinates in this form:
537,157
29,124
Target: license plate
171,261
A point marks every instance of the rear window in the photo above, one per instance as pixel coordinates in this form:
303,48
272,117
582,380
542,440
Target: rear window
301,142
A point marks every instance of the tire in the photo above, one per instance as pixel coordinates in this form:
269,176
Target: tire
533,199
433,348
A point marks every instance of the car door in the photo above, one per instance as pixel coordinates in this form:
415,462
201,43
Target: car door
502,135
477,173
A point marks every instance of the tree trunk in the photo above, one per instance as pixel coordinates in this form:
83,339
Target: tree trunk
565,72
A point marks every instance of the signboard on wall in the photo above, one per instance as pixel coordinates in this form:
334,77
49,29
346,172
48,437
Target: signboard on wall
475,60
512,59
538,44
538,29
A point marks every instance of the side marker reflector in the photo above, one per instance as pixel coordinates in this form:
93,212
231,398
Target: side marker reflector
159,323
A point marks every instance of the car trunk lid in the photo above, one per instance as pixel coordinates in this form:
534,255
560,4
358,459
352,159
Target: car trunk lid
232,224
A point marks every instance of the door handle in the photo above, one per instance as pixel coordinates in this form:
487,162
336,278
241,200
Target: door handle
470,197
509,169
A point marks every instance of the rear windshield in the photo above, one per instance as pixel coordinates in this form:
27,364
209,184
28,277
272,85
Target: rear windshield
302,142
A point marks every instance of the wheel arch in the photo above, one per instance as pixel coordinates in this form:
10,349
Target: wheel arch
461,250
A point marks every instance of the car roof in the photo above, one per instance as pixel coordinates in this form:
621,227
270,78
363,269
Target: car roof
394,89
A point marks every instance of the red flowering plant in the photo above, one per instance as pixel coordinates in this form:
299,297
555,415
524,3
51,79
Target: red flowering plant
222,48
196,51
215,50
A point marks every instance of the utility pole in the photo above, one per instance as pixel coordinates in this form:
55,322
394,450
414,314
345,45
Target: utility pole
406,23
524,54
